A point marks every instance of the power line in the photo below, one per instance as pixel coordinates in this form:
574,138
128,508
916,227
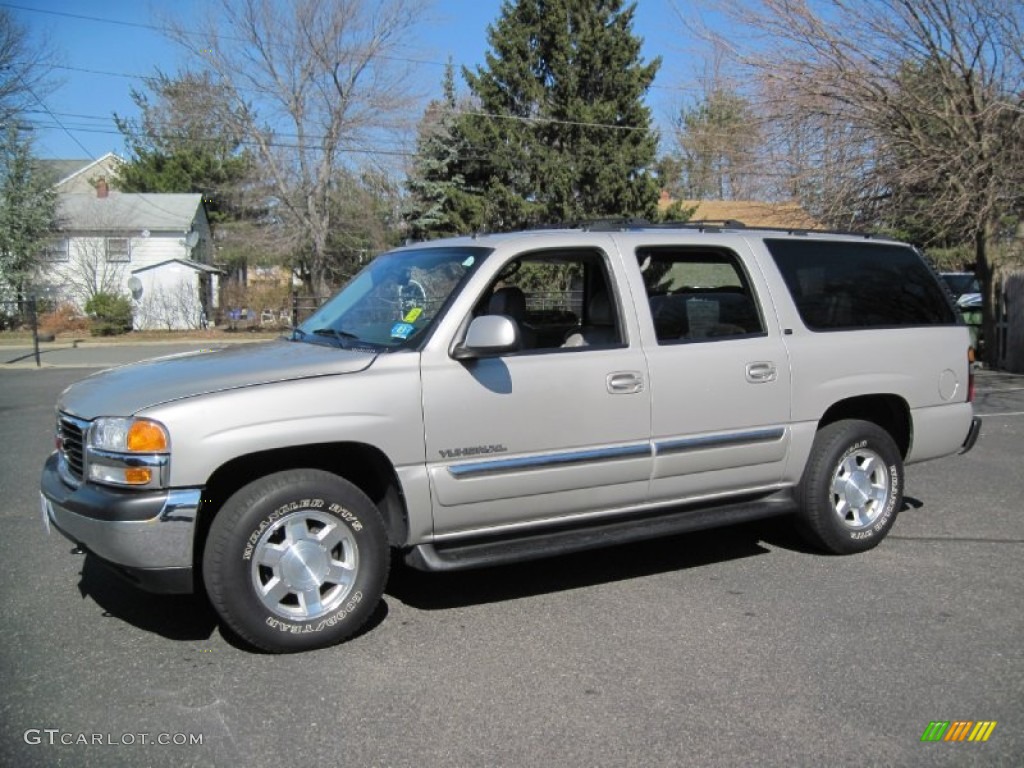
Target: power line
243,142
198,35
81,146
165,30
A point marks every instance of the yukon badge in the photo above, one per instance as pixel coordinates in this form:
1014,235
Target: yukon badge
475,450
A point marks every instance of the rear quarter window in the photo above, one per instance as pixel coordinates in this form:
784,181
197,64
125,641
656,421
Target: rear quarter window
850,285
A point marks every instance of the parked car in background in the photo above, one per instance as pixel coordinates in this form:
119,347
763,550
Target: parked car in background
965,288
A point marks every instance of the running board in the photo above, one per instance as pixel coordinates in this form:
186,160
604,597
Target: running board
480,552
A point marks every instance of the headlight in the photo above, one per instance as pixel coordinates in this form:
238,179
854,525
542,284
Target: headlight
128,452
128,435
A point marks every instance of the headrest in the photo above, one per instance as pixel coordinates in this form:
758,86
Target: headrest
509,301
599,310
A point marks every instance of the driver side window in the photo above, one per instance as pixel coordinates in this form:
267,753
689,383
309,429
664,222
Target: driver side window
559,299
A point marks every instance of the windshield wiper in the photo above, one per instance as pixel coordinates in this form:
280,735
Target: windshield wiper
340,336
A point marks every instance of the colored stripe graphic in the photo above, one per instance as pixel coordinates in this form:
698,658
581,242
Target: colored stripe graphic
958,730
982,730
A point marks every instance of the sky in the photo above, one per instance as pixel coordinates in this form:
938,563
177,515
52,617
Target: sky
105,48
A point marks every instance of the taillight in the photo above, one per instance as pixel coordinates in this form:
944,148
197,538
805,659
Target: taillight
970,374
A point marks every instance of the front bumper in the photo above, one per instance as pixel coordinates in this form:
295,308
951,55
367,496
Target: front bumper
147,536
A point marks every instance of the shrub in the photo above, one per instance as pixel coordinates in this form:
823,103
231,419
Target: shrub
65,317
110,314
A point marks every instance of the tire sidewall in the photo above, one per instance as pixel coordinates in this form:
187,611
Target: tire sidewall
832,446
249,514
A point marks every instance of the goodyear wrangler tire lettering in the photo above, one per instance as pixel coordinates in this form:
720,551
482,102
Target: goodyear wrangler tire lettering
296,560
852,487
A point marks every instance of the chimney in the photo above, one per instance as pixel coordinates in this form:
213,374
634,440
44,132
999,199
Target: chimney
102,190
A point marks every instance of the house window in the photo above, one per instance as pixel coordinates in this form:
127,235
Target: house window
119,249
56,250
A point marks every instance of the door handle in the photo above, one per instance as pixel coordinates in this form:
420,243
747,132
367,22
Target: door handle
625,382
761,373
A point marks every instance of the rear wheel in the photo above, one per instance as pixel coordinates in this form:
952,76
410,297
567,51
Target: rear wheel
852,487
296,560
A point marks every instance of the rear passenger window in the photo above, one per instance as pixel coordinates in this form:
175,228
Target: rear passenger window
849,285
696,295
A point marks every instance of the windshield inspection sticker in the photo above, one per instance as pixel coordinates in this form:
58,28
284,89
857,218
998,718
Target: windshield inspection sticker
469,262
412,315
401,331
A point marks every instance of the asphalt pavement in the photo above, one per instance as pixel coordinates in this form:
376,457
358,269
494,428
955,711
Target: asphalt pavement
99,354
733,647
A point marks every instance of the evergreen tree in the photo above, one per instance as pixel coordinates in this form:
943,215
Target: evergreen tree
561,132
182,143
438,203
27,213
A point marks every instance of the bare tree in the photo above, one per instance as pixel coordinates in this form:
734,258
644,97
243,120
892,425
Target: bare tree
309,84
718,138
26,67
88,272
171,307
898,96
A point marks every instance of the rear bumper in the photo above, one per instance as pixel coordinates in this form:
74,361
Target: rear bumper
972,435
146,536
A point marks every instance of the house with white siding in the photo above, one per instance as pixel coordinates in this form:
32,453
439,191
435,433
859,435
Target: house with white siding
77,176
156,248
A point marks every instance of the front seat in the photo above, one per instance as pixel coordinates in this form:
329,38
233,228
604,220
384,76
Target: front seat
510,301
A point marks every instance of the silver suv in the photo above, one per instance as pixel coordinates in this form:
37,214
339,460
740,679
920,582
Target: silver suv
479,400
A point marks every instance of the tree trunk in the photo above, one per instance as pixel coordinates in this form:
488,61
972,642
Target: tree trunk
984,238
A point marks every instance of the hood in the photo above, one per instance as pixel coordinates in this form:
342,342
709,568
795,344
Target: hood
126,390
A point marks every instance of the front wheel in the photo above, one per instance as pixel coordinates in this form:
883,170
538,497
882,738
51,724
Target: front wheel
852,487
296,560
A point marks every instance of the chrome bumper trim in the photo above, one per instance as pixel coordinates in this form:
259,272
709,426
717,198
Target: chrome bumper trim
164,541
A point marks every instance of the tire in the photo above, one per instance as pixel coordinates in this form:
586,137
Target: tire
296,560
852,487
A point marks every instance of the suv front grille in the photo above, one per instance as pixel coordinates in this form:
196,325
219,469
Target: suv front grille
72,443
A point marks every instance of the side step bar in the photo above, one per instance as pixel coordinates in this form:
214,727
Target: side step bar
481,552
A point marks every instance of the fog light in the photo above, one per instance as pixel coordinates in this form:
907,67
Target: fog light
138,475
103,473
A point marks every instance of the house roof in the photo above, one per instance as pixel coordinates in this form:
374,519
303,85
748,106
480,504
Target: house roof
187,262
752,213
60,171
128,211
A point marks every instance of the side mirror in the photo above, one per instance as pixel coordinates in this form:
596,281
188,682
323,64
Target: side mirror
488,336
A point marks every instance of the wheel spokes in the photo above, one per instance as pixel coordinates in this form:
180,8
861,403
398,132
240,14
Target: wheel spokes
310,601
305,565
296,530
275,590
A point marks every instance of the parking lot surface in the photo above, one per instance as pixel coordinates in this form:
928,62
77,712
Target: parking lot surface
730,647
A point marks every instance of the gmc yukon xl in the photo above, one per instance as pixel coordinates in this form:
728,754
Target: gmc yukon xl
479,400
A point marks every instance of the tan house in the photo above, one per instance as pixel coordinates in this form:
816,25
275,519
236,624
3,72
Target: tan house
751,213
79,176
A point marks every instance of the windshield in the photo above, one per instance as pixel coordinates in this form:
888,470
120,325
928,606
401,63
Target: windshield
392,302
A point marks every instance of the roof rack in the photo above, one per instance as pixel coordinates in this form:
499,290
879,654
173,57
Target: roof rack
714,225
627,223
614,225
